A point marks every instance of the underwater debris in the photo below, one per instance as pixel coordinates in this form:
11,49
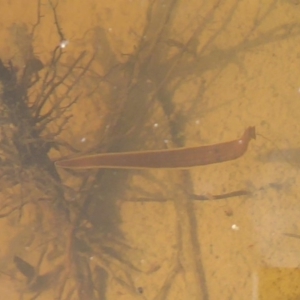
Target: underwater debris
75,216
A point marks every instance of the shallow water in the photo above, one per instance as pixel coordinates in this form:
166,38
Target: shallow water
138,75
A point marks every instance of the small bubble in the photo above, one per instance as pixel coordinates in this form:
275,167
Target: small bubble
155,125
83,140
63,44
235,227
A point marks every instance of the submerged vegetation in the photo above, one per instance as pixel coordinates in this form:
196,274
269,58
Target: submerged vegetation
70,220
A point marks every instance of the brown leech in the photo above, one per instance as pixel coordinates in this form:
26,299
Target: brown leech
180,158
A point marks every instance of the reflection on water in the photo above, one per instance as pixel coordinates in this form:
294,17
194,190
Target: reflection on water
142,76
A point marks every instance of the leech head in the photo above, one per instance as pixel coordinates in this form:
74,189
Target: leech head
252,133
248,135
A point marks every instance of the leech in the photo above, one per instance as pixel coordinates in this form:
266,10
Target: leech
180,158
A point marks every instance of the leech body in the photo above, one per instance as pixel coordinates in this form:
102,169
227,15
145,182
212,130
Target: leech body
180,158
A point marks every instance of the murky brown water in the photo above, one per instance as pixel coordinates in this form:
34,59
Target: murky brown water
109,76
